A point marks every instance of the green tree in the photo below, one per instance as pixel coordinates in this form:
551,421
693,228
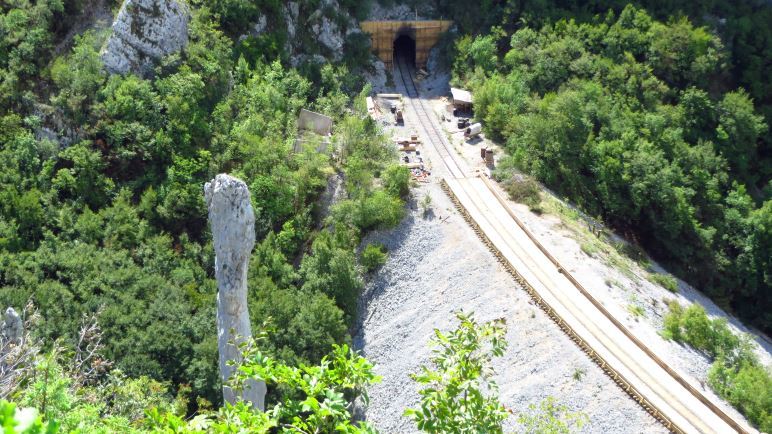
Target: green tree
317,398
332,270
738,132
79,76
454,398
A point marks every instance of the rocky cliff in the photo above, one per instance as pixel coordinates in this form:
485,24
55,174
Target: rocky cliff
143,32
314,34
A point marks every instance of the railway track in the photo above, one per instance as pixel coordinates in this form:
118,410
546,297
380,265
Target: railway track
660,390
454,167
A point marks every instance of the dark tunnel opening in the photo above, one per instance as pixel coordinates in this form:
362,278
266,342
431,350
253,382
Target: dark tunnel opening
404,48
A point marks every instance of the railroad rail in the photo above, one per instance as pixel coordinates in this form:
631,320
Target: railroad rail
685,416
432,132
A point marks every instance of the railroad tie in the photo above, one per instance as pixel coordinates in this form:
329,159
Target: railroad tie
583,345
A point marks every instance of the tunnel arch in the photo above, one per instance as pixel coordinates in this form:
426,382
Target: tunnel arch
384,36
405,47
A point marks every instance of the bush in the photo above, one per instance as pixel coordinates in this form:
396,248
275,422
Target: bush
692,326
396,180
305,323
378,211
671,328
373,256
748,388
332,270
524,190
736,374
664,280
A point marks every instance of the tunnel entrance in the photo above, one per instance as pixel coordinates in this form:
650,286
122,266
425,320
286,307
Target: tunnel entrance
404,49
390,39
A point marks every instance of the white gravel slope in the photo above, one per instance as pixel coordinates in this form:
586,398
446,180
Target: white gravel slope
437,266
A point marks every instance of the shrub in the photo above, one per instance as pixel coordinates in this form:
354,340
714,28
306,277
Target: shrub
692,326
332,270
396,180
671,329
377,211
380,211
551,417
524,190
458,393
373,256
635,310
736,374
748,388
426,204
664,280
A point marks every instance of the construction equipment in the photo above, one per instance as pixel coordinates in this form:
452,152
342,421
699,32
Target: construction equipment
489,157
473,130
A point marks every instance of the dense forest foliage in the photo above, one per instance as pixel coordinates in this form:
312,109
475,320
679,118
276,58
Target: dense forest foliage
637,122
115,221
631,118
640,121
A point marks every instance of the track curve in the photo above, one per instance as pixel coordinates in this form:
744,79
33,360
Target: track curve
659,389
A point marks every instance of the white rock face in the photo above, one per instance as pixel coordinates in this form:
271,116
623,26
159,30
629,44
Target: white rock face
320,23
12,327
260,25
401,12
291,11
143,32
233,229
328,33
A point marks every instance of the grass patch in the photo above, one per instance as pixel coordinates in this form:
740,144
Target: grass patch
622,264
633,252
636,310
664,280
578,374
589,249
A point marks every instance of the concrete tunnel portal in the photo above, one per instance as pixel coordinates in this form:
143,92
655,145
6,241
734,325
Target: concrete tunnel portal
407,39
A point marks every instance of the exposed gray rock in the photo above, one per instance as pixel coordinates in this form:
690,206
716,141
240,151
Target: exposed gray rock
324,23
143,32
402,12
13,327
300,59
54,127
257,29
260,25
291,11
327,31
232,221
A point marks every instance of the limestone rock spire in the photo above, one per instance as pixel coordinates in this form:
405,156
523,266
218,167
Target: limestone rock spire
232,221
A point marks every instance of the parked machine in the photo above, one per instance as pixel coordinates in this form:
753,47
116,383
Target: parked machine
398,117
473,130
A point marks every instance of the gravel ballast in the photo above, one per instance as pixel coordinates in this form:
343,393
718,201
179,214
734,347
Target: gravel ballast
436,266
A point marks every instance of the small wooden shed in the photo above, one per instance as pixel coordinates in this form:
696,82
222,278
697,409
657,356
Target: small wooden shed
462,99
